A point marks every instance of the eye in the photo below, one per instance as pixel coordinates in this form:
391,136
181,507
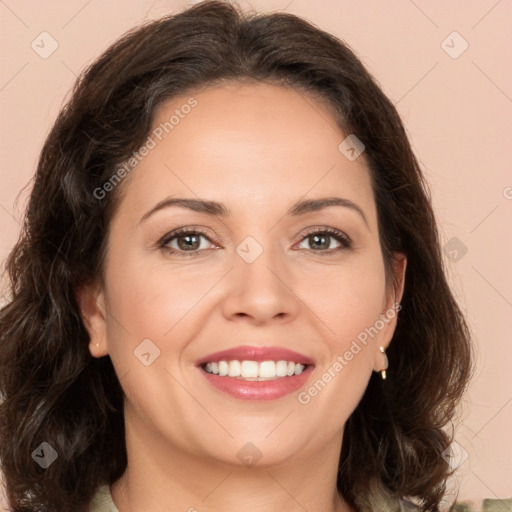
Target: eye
187,241
321,239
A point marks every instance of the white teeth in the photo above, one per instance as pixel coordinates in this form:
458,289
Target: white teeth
254,370
267,369
249,369
223,368
234,368
281,368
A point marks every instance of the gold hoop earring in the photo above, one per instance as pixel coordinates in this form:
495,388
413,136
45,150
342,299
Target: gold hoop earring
383,372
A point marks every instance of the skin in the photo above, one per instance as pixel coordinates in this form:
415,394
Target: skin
258,149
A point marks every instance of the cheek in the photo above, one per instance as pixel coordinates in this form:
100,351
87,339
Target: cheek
346,298
149,302
349,305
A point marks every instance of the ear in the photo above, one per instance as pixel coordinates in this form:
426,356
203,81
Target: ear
389,316
396,289
91,303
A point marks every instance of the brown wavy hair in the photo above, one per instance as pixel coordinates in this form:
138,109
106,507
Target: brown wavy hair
54,391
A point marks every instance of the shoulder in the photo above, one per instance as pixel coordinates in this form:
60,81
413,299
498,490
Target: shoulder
488,505
102,501
385,503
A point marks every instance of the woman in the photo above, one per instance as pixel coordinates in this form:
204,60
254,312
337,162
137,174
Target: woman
229,289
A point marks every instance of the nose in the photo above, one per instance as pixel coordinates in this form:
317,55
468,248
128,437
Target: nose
260,290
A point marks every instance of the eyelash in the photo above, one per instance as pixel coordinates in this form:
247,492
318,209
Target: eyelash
345,240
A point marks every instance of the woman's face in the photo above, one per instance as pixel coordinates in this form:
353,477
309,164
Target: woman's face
253,280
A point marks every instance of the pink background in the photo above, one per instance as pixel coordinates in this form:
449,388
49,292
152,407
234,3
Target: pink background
457,108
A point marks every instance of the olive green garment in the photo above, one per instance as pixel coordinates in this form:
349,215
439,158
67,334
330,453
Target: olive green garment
102,502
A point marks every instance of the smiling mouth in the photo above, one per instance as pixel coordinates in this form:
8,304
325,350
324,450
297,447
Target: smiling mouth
248,370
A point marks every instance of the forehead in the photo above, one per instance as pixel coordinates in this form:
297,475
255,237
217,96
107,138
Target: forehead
253,144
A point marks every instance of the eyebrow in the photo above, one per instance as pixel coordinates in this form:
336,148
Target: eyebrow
215,208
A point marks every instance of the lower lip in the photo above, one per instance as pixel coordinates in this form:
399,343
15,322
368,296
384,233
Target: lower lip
258,390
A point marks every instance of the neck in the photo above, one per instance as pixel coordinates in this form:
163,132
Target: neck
160,475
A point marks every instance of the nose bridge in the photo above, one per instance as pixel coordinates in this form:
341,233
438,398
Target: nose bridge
258,261
259,281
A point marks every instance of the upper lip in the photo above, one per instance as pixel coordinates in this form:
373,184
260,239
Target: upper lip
255,353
